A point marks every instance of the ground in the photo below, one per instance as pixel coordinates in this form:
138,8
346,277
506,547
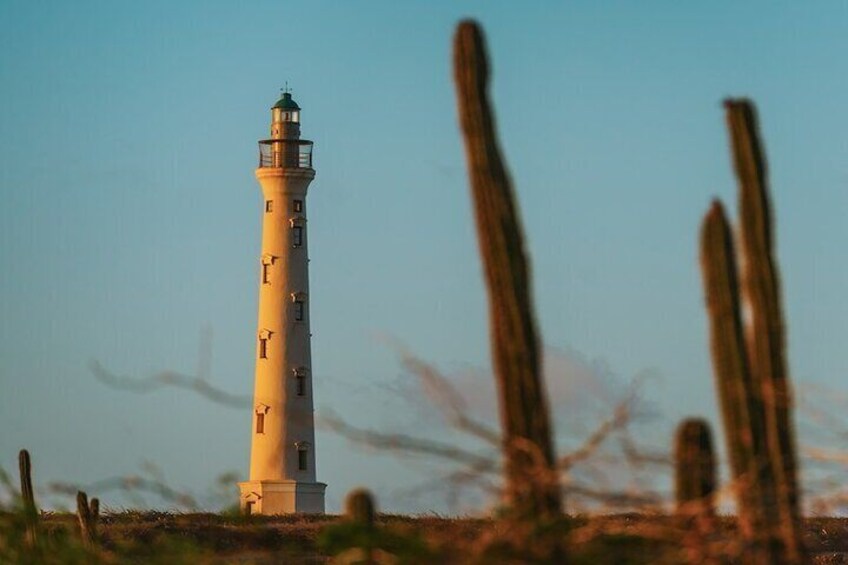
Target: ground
158,537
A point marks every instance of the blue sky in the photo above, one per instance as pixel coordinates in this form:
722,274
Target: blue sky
130,216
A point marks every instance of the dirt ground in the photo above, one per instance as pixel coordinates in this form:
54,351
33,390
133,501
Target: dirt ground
149,537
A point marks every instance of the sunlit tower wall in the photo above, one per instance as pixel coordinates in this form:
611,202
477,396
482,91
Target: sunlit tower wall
282,454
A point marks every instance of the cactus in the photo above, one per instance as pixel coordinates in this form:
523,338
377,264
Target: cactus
28,498
87,519
765,337
532,486
741,406
695,482
360,507
87,526
694,466
360,510
750,367
94,507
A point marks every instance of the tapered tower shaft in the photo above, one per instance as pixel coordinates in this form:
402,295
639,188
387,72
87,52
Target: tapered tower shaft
282,458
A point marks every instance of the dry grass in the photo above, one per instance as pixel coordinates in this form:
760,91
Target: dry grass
158,537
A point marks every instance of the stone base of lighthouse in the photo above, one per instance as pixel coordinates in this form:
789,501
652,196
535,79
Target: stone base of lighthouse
281,497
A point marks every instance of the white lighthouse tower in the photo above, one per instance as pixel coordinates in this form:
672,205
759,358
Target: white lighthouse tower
282,457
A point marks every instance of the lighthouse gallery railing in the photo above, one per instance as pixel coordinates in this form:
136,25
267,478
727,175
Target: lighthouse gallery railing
287,153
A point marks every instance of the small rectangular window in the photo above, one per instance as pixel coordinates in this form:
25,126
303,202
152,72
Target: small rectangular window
269,206
263,348
298,310
301,385
301,459
298,205
260,423
265,279
297,236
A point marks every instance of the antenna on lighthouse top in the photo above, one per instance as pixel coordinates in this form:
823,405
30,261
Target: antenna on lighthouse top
286,90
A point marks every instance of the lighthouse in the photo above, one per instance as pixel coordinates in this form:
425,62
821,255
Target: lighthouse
282,452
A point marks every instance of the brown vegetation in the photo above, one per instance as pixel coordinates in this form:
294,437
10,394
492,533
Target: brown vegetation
159,537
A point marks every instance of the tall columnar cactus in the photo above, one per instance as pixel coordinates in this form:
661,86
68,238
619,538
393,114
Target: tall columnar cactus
532,487
694,468
740,407
765,338
94,507
750,365
28,497
87,519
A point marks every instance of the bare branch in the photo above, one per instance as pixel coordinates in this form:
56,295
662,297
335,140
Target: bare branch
619,419
166,379
129,483
447,399
825,455
405,443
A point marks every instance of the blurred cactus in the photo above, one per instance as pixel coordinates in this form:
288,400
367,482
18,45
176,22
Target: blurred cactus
94,507
741,411
532,482
765,338
28,497
750,367
694,467
360,507
87,521
695,483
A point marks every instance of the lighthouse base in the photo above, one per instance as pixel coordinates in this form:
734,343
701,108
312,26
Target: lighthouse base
281,497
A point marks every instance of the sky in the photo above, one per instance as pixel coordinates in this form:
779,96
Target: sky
130,216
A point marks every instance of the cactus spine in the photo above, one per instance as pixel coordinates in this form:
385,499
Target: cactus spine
532,486
28,497
750,367
694,467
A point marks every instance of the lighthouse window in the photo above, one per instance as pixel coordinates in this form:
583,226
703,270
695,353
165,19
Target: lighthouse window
297,236
301,385
301,458
269,206
298,205
298,310
267,261
260,423
263,348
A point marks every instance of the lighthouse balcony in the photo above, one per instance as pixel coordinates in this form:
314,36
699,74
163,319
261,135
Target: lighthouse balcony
285,153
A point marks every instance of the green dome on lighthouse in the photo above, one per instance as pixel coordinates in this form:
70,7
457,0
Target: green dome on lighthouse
286,103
